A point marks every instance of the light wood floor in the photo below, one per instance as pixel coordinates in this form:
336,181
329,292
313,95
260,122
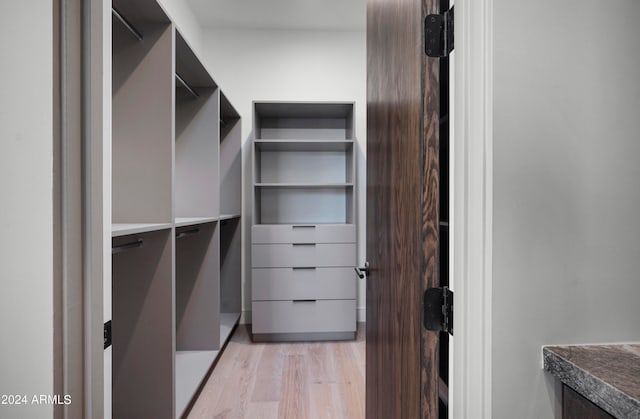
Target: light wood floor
285,381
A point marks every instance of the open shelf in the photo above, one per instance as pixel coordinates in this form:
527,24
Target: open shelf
142,333
191,221
303,204
304,167
142,114
191,369
197,265
306,173
228,115
229,216
197,111
230,158
318,121
230,276
126,229
197,307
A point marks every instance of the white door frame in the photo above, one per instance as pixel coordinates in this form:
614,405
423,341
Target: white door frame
470,383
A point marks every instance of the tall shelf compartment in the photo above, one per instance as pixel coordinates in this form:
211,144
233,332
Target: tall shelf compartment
142,211
230,226
303,233
176,164
197,230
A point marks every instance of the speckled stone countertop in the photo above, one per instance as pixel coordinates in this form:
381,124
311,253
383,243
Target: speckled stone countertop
608,375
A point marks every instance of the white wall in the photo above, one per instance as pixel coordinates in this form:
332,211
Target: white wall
26,211
184,19
566,188
290,65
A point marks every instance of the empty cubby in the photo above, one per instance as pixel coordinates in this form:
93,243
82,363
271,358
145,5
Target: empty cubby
197,112
142,114
142,325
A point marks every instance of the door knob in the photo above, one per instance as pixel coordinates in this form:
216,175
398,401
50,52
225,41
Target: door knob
362,272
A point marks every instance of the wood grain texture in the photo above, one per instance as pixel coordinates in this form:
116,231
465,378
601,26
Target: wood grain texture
402,210
284,380
430,217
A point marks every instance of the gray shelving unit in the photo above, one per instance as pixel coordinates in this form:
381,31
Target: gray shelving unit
176,199
142,211
303,233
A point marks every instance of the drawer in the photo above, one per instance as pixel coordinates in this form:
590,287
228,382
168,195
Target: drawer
303,255
304,316
303,233
292,283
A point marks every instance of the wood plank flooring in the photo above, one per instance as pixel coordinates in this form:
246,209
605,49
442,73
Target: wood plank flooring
322,380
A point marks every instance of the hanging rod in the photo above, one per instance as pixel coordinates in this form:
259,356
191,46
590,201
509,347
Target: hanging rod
127,246
188,233
126,24
186,86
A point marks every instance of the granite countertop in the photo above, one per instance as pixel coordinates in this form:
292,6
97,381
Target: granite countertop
608,375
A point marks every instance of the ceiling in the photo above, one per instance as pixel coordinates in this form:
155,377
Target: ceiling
329,15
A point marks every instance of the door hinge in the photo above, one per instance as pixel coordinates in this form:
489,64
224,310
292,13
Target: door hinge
438,309
107,334
438,34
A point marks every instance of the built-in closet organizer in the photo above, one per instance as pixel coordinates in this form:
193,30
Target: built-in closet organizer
142,212
176,240
303,234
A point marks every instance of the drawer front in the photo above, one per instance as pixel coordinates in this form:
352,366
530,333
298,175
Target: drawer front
291,284
303,233
304,316
303,255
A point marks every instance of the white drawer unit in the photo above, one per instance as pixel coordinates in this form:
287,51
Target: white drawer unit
304,316
303,283
303,237
303,233
303,255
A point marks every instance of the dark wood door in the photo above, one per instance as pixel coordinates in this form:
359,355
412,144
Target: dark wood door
402,210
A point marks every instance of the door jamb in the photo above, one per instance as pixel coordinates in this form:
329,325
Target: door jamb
471,390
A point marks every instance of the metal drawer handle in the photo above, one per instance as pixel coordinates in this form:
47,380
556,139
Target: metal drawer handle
303,226
304,301
303,244
304,268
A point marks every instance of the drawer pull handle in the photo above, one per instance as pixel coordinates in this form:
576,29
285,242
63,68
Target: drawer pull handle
303,244
304,301
303,226
304,268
